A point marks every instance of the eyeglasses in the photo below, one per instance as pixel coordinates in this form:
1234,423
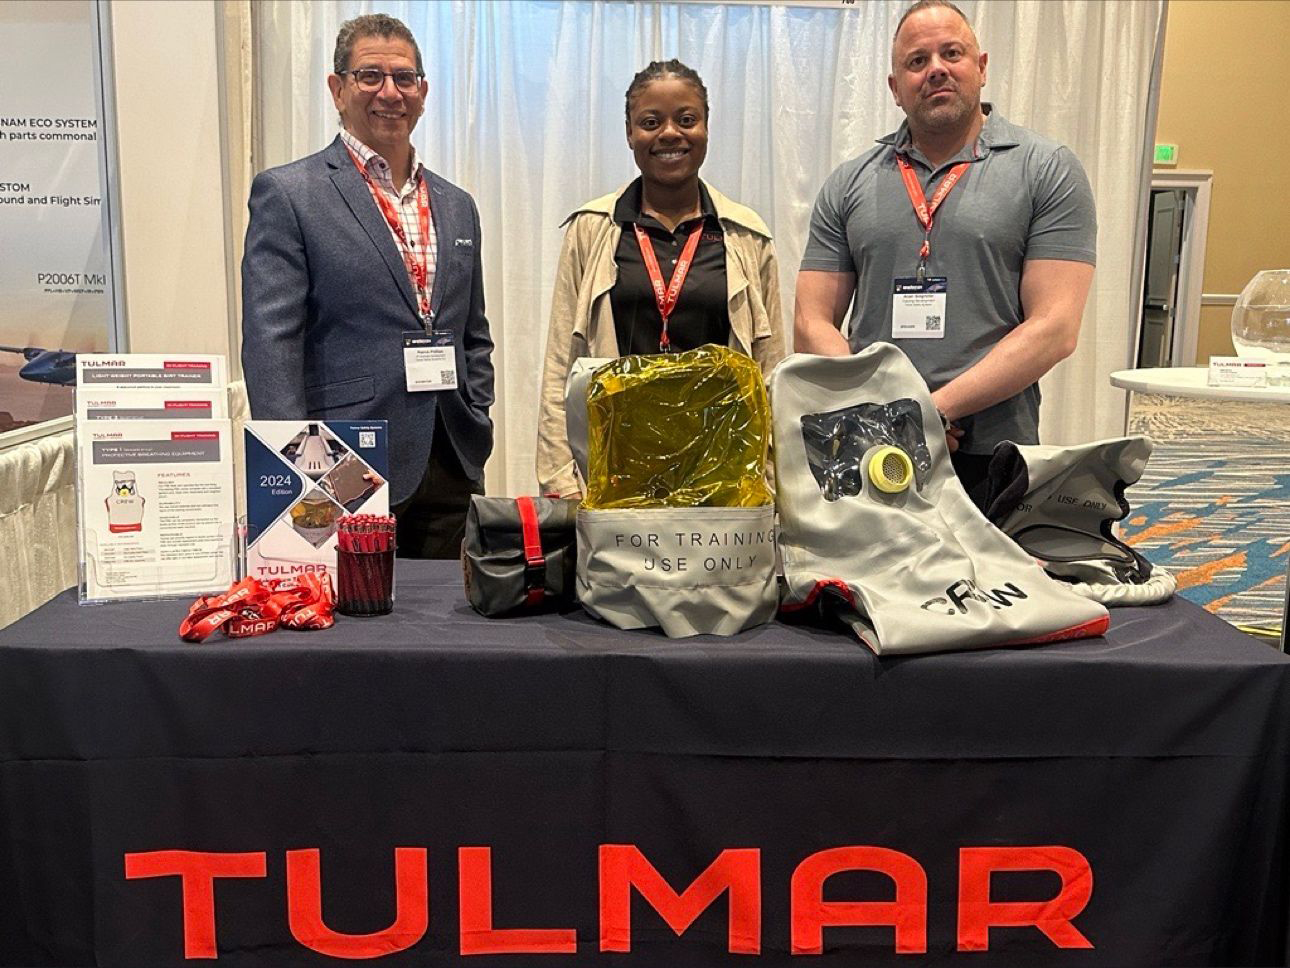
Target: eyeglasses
370,80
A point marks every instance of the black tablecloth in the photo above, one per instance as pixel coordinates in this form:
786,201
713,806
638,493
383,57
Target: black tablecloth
1158,754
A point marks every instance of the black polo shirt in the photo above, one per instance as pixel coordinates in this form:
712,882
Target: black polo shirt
702,312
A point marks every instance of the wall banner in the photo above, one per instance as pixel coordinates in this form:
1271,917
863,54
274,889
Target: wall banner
54,290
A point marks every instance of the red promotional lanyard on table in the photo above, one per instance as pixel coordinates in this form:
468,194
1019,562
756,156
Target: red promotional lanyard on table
416,262
667,297
924,210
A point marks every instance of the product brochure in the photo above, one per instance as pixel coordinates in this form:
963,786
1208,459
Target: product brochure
154,475
302,476
156,508
101,370
151,403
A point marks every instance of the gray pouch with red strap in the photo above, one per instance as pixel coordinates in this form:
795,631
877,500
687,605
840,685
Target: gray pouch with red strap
519,554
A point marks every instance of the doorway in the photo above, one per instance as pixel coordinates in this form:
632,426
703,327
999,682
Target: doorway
1159,296
1169,308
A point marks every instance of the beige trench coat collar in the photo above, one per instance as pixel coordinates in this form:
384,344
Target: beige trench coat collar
602,339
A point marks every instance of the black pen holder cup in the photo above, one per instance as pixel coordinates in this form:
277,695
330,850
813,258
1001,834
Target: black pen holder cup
365,582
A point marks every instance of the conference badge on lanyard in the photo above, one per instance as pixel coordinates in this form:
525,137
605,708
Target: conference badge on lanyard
918,303
667,297
918,308
430,360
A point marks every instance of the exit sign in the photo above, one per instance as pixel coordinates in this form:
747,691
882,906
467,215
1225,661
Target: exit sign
1166,155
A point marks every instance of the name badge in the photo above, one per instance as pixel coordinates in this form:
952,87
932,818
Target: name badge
918,308
430,361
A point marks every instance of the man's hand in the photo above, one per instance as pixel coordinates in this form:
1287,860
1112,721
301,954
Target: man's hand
818,310
953,432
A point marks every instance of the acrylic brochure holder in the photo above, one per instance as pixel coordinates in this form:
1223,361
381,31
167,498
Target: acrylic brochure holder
154,477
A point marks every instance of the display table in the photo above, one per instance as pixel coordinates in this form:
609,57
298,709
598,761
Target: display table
1192,381
1128,793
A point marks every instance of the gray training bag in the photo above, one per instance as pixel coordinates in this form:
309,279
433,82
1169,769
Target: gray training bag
707,569
873,518
1061,505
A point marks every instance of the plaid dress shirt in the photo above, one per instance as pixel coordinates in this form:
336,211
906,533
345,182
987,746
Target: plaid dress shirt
404,202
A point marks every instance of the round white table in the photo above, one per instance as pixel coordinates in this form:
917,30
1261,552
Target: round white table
1190,381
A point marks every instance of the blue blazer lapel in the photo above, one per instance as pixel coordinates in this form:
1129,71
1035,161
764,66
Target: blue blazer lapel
447,222
353,189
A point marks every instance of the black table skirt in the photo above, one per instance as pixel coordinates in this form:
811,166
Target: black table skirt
1149,766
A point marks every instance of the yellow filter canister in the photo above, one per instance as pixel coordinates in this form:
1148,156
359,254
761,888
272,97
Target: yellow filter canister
890,470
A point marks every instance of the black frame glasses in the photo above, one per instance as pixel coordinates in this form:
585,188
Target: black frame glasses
406,79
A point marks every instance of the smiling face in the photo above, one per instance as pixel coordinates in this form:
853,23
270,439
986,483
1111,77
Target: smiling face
667,130
383,119
937,71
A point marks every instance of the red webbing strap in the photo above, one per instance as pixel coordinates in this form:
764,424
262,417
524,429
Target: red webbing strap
534,560
213,611
307,602
253,607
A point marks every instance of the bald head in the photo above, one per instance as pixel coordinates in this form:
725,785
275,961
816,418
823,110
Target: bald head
927,5
937,72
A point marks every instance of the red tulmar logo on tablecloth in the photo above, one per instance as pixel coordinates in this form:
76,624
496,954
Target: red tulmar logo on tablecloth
736,872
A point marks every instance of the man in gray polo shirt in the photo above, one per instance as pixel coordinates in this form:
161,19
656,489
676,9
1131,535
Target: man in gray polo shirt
984,288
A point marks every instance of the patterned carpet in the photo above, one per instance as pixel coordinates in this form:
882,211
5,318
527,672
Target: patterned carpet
1214,503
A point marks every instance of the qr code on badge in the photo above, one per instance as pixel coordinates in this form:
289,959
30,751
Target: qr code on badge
367,438
447,377
933,324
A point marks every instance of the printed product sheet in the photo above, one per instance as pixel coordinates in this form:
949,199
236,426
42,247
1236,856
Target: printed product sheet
156,507
101,370
151,403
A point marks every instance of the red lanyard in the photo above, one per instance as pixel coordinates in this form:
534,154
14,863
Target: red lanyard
416,262
667,297
924,211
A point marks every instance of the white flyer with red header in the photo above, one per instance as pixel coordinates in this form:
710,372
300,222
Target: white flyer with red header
154,475
156,508
151,403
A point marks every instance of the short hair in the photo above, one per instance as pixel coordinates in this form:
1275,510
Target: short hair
657,70
927,5
371,25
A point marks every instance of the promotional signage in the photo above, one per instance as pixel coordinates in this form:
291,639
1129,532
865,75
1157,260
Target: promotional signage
625,873
54,287
1245,371
154,476
302,476
437,789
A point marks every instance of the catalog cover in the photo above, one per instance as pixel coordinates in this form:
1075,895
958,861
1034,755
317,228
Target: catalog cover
302,476
156,508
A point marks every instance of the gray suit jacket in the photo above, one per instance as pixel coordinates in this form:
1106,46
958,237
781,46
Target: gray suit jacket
326,299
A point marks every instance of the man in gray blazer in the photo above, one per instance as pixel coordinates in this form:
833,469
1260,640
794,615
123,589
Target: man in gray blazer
359,261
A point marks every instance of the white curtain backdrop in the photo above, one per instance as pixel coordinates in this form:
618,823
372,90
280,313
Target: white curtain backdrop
525,112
